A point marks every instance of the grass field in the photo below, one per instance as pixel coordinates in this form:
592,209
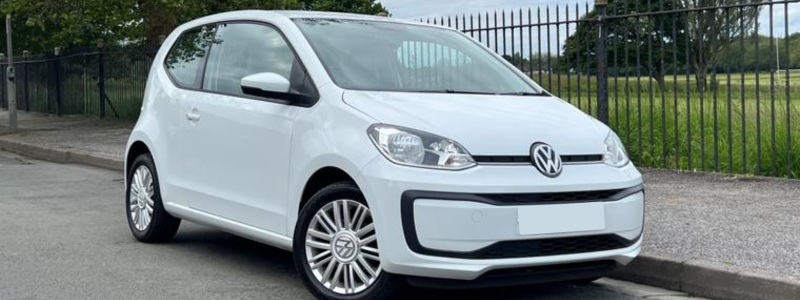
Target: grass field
742,129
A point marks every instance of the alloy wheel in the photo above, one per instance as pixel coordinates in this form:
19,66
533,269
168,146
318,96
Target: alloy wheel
342,247
141,198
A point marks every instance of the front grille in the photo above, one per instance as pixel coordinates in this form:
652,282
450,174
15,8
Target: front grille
574,159
549,247
523,159
500,159
553,197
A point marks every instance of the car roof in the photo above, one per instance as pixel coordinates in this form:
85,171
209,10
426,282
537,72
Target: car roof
301,14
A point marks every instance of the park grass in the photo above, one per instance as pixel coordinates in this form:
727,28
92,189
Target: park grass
722,129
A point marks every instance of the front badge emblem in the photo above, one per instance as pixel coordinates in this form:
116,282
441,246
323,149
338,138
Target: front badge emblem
546,160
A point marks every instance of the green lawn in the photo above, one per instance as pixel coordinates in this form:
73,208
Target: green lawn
700,131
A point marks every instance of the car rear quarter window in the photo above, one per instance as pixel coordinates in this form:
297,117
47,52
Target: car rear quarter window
186,57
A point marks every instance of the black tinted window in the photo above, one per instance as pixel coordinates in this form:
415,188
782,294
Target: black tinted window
245,49
186,55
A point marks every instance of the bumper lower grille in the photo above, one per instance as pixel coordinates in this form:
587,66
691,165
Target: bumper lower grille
536,198
549,247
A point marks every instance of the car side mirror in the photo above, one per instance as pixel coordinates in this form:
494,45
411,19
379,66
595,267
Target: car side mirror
265,84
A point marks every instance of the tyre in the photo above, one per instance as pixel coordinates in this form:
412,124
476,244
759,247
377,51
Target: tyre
336,247
585,281
147,219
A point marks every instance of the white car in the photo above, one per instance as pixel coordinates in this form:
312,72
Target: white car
380,152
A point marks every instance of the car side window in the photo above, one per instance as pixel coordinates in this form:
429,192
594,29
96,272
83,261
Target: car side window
185,59
243,49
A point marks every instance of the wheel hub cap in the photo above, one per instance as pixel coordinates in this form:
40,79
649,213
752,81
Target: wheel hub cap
141,198
345,247
342,247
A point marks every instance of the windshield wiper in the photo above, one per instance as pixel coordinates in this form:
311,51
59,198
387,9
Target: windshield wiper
524,94
450,91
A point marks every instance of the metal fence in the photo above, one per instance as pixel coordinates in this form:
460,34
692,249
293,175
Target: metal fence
97,81
686,87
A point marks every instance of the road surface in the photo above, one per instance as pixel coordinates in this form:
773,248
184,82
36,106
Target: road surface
63,236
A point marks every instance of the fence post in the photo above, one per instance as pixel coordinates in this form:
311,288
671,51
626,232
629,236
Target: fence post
602,70
3,81
57,69
101,78
25,89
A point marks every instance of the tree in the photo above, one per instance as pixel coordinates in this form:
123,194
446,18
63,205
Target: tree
369,7
629,41
707,32
160,17
41,25
711,31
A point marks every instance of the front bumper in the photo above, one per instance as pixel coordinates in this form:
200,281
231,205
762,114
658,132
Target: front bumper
447,232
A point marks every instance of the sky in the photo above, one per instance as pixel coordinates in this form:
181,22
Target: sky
423,9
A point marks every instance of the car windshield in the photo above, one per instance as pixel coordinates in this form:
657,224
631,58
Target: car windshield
386,56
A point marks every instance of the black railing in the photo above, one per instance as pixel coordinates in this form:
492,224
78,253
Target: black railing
693,88
97,81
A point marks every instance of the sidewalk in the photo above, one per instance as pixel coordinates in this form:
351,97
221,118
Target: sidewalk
68,139
710,235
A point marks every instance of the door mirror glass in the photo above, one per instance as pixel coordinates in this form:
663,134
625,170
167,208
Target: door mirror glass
263,84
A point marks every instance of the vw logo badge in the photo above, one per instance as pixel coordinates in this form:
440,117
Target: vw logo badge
345,247
546,160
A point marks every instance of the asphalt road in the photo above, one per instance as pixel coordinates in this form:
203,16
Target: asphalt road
63,236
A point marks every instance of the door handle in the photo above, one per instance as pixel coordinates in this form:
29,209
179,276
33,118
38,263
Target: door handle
193,116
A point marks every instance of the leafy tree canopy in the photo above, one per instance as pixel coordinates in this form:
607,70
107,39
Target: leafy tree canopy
42,25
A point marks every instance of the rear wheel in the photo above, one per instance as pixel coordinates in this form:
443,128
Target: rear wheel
148,220
336,247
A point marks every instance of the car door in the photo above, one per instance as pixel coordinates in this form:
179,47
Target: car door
240,144
184,67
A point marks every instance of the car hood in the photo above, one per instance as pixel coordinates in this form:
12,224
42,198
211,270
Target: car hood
487,124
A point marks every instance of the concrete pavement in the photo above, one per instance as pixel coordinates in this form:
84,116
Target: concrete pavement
716,235
64,236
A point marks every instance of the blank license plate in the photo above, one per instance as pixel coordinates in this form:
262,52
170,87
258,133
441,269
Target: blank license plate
561,218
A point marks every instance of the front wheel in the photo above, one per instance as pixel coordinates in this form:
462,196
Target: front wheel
336,247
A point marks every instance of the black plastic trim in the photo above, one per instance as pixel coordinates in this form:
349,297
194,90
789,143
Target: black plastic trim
526,159
522,276
410,231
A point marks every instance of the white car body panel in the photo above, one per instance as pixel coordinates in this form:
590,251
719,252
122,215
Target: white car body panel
243,166
522,120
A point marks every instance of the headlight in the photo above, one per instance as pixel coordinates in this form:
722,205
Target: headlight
615,154
411,147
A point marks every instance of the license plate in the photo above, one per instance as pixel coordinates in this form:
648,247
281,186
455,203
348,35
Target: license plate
561,218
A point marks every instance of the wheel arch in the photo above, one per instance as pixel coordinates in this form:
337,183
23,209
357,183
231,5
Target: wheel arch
134,150
321,178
